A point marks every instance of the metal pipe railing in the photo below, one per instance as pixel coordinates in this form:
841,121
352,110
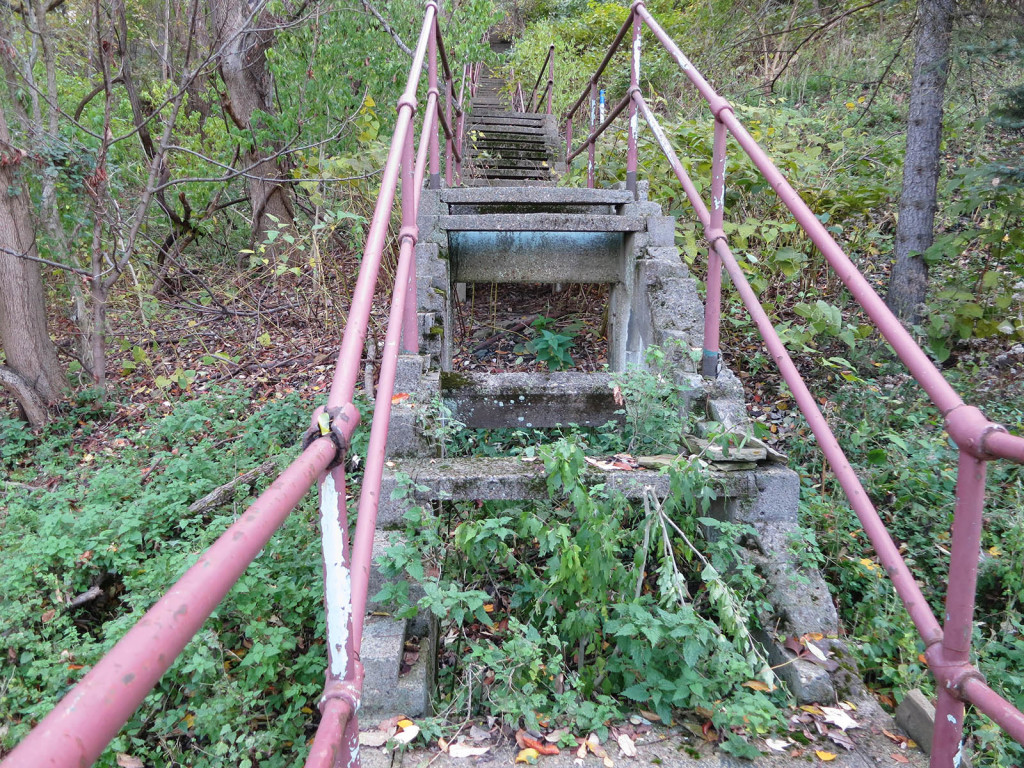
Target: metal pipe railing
79,728
977,438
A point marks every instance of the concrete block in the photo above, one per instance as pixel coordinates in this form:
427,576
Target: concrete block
528,400
532,257
916,716
808,682
661,230
386,693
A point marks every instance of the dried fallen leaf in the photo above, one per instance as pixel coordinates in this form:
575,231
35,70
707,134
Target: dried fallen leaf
757,685
626,745
463,750
778,745
815,651
476,733
842,739
555,736
47,617
541,747
401,397
406,735
650,716
404,723
582,751
899,758
527,756
824,756
839,718
127,761
373,738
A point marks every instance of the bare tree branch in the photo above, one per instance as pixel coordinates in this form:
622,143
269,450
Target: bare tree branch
387,27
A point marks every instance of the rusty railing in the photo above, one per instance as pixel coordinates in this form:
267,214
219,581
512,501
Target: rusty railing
79,728
978,439
547,95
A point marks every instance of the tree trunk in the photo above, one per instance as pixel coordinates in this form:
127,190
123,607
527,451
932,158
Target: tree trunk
243,38
908,283
30,352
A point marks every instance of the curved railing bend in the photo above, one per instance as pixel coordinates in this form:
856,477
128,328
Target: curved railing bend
79,728
978,439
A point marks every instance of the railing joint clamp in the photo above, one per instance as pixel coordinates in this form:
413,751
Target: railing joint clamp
409,232
336,423
970,428
718,105
408,101
713,235
348,691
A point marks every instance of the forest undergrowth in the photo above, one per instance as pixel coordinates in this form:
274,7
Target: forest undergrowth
218,376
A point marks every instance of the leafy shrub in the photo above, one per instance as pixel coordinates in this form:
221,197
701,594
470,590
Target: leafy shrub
244,689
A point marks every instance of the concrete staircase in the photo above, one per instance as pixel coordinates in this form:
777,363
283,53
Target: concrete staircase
508,148
508,224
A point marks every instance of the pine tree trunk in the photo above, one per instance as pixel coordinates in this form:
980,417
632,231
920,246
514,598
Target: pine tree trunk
31,355
908,283
243,41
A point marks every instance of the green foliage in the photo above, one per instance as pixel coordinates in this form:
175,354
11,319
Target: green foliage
551,347
652,402
908,466
243,689
575,609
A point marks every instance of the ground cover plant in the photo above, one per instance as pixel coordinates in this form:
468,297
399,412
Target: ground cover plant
115,527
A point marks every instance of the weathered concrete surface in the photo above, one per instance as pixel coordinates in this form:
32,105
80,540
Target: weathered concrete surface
385,691
674,747
542,222
527,400
536,257
916,716
527,195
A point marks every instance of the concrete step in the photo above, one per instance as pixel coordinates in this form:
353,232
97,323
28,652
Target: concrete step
536,257
512,154
510,162
541,400
531,196
510,173
492,479
490,140
542,222
386,692
494,126
485,182
526,117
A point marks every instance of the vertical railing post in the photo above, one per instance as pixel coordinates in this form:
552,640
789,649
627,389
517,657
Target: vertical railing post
960,595
449,138
634,87
568,141
461,122
340,701
551,76
410,320
593,124
713,302
435,148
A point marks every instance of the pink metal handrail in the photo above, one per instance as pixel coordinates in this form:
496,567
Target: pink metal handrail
977,438
549,89
79,728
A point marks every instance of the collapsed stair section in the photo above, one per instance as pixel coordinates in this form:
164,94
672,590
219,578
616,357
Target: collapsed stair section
511,234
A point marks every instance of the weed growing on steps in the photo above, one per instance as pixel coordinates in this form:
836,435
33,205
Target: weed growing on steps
577,609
